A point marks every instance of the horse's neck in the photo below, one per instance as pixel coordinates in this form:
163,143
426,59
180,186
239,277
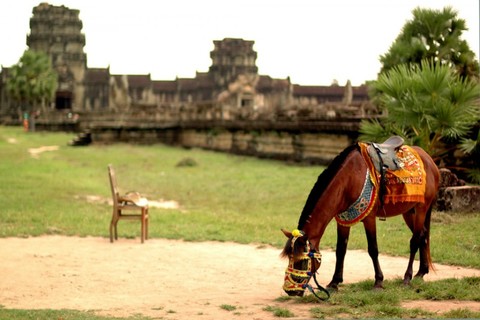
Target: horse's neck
341,192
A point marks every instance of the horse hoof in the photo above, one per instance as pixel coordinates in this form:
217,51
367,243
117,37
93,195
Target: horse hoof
332,287
378,286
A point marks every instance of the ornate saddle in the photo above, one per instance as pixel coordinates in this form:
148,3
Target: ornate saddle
384,155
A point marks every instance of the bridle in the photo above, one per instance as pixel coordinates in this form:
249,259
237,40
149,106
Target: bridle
298,279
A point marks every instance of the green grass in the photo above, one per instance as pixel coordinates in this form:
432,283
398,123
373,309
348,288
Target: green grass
228,307
279,312
220,196
15,314
360,301
223,197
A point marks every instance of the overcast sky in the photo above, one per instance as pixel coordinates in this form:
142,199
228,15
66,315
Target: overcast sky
312,41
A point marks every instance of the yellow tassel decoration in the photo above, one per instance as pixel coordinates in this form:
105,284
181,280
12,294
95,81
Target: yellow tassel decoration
296,233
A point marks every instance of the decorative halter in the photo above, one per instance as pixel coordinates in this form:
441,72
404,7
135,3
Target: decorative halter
297,280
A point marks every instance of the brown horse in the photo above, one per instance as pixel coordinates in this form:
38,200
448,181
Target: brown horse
337,188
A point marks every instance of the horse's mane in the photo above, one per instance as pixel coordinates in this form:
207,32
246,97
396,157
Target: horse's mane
323,181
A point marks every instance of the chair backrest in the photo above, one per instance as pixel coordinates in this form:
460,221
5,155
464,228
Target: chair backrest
113,184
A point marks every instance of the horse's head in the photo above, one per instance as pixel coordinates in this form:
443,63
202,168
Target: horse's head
303,262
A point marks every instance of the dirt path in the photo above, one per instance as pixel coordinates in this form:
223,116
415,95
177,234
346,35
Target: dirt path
167,279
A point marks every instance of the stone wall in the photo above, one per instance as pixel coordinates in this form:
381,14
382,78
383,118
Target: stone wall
275,144
318,148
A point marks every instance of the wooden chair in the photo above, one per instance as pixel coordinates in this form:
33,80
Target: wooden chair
131,201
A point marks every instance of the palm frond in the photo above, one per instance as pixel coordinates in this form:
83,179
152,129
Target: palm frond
470,145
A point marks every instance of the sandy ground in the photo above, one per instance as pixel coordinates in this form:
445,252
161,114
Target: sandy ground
170,279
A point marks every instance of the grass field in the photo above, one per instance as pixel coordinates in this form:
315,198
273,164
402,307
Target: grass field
223,197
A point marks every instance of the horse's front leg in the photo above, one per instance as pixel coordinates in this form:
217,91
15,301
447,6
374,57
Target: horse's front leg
371,232
342,241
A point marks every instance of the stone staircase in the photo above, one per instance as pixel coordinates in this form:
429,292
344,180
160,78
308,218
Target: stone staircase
82,139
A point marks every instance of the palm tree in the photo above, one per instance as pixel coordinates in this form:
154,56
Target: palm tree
32,81
434,35
429,105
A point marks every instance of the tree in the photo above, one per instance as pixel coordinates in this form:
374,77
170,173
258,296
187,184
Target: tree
429,105
32,81
433,35
429,89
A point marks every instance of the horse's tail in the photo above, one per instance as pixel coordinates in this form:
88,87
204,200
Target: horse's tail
428,217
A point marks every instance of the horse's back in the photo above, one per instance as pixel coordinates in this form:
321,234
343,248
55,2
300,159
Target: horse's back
432,174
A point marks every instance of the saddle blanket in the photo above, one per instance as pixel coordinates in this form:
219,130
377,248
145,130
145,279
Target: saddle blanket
362,206
406,184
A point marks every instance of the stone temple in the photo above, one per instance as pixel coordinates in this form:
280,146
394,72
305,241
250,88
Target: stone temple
231,83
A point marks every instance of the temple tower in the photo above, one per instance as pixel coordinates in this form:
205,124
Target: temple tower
231,58
56,30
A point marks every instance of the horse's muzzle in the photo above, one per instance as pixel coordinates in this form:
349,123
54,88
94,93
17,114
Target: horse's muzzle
293,288
295,293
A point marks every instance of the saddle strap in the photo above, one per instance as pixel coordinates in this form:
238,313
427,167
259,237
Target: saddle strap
382,168
383,182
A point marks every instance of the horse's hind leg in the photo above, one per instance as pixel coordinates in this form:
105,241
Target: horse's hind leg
370,226
424,244
409,220
416,222
342,241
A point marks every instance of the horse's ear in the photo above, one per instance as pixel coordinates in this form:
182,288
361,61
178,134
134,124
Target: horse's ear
287,234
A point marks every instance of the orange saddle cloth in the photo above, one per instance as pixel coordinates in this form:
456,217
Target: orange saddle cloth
406,184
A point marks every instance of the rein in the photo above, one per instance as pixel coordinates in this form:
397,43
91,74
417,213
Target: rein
304,275
319,288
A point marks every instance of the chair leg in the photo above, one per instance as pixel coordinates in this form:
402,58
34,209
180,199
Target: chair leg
112,226
146,223
111,231
117,218
146,228
143,226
